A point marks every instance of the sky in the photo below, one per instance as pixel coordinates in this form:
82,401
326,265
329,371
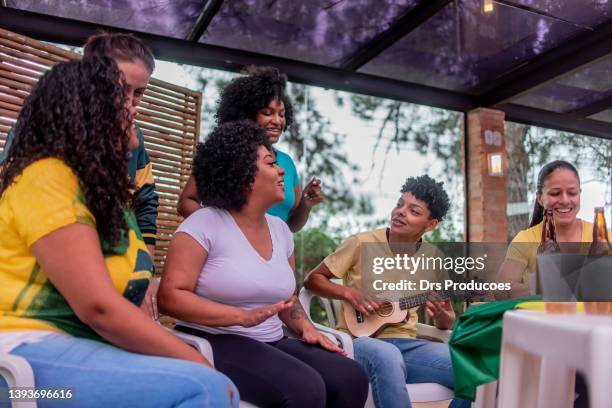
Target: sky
359,143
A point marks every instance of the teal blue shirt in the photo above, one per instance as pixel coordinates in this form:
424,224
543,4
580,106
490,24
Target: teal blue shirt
292,179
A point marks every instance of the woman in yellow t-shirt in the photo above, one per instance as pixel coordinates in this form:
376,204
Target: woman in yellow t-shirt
73,264
558,187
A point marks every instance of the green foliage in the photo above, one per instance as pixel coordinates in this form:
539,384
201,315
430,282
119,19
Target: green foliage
432,132
445,232
311,247
211,82
321,152
544,145
437,132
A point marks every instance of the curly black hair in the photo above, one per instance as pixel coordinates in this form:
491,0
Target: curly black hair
430,192
76,113
226,163
244,96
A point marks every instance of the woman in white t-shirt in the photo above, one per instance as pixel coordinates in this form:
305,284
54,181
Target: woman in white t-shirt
229,278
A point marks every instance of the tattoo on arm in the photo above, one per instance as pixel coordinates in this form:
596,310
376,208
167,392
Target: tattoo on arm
297,313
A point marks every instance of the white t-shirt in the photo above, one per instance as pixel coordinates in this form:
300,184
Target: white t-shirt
235,274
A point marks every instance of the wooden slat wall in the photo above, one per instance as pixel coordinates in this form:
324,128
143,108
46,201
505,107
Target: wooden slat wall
169,117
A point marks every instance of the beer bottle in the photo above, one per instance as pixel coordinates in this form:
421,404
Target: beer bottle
601,243
599,246
548,242
549,245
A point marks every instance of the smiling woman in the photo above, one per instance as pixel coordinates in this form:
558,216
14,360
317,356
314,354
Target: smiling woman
558,188
74,267
229,278
260,96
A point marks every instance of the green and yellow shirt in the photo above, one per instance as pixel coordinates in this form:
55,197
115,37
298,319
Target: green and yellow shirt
44,198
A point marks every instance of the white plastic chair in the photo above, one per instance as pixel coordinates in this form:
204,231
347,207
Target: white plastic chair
423,392
17,372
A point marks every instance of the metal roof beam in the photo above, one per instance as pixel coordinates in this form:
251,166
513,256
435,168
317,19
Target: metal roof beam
559,121
75,32
208,12
593,108
422,12
561,61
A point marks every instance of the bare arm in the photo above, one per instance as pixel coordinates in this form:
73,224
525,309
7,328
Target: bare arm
512,272
72,260
318,281
296,319
304,202
149,303
188,202
184,261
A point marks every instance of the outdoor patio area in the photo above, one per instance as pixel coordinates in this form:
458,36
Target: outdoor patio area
466,132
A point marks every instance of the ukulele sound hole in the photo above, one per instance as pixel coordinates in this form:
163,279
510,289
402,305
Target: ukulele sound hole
386,309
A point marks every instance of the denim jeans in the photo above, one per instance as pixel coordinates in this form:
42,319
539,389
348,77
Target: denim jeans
101,375
392,363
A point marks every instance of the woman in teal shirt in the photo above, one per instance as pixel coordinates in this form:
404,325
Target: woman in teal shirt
260,96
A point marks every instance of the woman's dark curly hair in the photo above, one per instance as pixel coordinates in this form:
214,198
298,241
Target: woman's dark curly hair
226,163
430,192
244,96
76,113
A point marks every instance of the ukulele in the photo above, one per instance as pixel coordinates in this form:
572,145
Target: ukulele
389,312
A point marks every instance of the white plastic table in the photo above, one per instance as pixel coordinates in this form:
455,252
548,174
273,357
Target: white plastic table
540,356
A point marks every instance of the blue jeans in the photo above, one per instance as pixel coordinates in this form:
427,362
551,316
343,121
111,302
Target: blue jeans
393,363
101,375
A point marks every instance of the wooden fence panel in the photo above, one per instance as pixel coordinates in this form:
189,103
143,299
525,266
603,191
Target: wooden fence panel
169,117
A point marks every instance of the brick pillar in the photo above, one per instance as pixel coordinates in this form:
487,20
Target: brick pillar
486,195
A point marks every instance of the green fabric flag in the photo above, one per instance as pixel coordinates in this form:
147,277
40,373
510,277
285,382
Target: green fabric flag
475,345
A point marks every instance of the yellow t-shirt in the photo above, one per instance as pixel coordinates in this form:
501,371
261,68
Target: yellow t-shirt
345,263
44,198
526,243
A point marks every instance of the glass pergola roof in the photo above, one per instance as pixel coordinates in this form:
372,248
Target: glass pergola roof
462,47
317,31
544,62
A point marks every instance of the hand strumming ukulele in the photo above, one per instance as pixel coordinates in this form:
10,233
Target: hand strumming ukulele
361,325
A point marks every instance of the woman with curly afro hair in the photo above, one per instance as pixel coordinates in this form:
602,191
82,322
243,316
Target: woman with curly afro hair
73,264
260,96
229,278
